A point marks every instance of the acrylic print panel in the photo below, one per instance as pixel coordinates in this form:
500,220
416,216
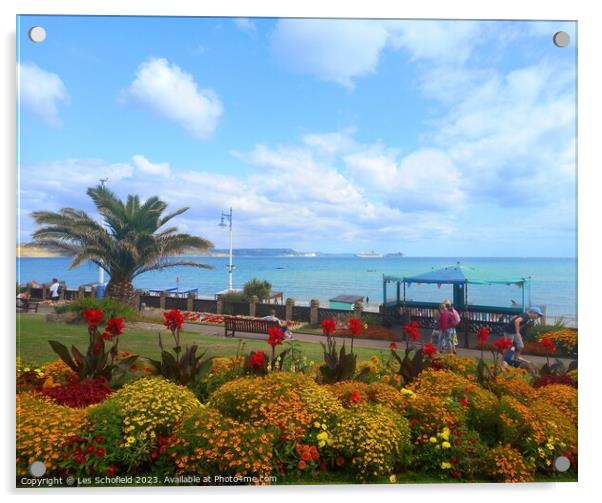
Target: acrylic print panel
401,191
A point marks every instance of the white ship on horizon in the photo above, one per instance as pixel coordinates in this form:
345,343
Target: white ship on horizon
371,254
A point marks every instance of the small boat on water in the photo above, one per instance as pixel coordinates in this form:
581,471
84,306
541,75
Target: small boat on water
371,254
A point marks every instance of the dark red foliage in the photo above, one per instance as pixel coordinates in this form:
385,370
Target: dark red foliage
546,380
75,393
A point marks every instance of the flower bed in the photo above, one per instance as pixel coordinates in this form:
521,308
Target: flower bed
368,421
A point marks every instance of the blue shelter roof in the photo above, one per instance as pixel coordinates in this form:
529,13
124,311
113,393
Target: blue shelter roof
456,274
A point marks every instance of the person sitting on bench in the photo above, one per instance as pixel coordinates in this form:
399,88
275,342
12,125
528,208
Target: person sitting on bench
283,326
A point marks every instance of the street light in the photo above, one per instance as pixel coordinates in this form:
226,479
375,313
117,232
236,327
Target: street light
222,223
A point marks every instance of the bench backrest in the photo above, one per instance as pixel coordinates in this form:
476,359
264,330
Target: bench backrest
256,325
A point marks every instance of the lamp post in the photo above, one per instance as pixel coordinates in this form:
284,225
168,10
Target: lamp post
101,271
222,223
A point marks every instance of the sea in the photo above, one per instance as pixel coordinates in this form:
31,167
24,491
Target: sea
553,280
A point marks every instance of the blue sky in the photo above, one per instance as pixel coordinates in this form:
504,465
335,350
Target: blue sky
427,137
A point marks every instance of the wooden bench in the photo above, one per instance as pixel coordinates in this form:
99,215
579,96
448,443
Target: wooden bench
25,305
232,324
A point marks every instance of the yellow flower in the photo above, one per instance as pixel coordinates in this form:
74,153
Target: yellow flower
393,479
317,425
433,440
445,465
446,445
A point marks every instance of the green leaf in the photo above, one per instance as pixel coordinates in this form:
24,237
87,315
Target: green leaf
169,367
64,355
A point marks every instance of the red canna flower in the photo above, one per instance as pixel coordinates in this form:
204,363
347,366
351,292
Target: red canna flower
355,396
98,347
107,336
257,359
548,344
503,344
412,331
154,454
329,326
99,439
483,335
275,336
93,316
115,326
79,458
90,449
173,319
111,470
429,349
355,326
393,345
100,452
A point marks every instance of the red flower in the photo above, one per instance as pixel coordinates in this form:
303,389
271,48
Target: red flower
100,452
79,458
464,401
90,449
275,336
98,347
339,461
154,454
429,349
355,396
94,316
173,319
115,326
483,335
548,344
503,344
257,359
355,325
329,326
323,465
99,439
302,465
411,330
111,470
393,345
107,336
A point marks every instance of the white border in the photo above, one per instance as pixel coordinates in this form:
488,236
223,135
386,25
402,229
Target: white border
590,254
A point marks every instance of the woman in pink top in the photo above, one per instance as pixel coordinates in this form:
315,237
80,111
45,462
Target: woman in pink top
444,328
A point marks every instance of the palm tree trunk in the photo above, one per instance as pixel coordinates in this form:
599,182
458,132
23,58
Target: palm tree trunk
123,291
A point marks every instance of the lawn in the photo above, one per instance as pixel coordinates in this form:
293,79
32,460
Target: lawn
33,333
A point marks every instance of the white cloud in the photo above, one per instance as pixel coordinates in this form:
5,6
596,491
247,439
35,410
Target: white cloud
332,50
341,50
172,93
41,92
425,179
145,166
245,24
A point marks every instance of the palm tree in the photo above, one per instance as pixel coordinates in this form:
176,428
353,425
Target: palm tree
127,245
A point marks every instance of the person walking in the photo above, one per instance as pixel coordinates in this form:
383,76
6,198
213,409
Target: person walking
518,326
454,321
55,290
443,322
